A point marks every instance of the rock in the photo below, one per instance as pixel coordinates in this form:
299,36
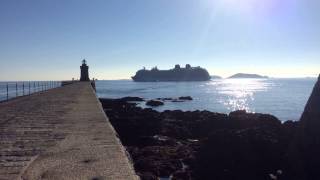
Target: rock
238,112
181,175
309,134
212,145
189,98
116,103
179,99
176,100
242,119
311,115
154,103
132,99
147,176
165,99
248,154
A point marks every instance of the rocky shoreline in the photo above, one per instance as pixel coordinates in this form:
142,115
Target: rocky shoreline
203,144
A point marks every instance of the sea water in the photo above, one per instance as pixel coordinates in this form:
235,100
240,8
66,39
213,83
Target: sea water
283,98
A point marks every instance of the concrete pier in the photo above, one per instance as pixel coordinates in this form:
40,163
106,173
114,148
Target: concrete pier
60,134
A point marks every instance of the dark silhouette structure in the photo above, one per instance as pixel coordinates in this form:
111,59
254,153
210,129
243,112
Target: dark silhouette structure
177,74
310,124
84,71
311,115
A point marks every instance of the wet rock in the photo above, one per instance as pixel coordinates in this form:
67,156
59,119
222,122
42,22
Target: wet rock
242,119
116,103
189,98
238,113
176,100
154,103
165,99
179,99
132,99
240,145
250,153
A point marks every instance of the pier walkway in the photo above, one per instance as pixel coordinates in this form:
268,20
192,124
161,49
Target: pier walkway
62,133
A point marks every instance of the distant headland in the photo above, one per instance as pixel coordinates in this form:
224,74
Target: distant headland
244,75
176,74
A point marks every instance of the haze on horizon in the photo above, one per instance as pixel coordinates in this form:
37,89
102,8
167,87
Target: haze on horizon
46,40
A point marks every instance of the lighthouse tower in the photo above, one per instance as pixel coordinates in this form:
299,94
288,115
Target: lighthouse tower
84,71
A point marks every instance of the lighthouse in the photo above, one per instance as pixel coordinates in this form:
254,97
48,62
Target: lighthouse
84,71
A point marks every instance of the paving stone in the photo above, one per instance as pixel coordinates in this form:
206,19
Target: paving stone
62,133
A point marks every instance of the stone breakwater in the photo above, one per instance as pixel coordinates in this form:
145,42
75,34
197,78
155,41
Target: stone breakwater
206,145
60,134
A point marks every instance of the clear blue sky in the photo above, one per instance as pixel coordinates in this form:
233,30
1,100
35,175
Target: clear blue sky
47,39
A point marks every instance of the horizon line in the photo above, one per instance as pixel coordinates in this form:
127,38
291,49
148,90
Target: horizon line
123,79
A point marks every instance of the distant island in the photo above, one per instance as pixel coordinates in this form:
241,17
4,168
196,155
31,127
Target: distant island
177,74
244,75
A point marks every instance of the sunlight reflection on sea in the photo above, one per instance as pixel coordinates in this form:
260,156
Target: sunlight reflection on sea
236,94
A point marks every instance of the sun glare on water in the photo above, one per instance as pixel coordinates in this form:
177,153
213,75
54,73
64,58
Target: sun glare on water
240,92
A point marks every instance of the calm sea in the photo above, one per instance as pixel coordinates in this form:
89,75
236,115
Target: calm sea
284,98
